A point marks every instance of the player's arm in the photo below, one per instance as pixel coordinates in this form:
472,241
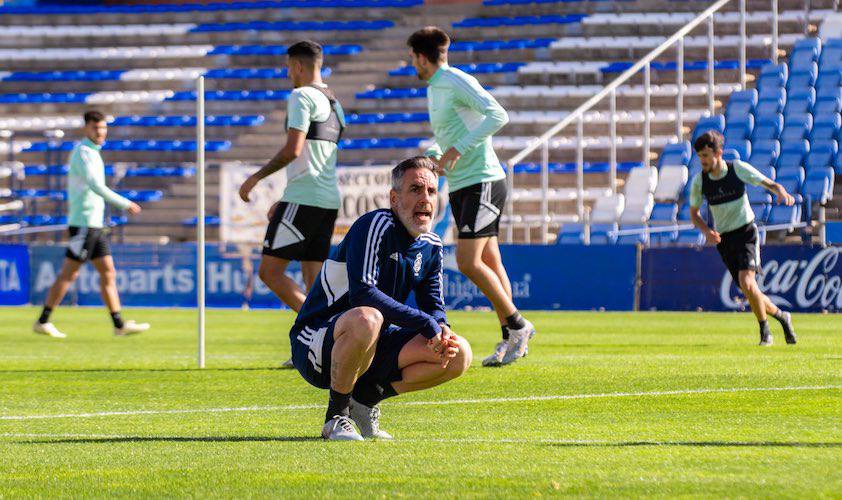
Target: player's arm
472,95
87,164
711,236
363,266
299,111
750,175
291,150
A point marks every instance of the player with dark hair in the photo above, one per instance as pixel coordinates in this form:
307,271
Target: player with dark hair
463,117
723,184
301,224
86,197
355,334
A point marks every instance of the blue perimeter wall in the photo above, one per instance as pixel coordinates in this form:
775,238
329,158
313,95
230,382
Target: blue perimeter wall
543,277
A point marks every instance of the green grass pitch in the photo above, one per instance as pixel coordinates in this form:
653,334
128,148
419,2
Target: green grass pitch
640,404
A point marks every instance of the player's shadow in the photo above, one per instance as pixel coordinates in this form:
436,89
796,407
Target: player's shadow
702,444
173,439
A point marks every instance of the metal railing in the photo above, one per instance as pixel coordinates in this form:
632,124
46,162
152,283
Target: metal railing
610,92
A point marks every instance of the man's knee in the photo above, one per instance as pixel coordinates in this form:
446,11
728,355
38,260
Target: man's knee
463,359
467,263
267,270
747,282
363,324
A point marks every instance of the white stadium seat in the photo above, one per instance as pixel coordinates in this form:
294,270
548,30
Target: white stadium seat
671,182
607,209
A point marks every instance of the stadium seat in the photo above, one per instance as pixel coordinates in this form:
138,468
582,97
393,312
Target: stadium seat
689,237
488,22
607,209
825,128
637,210
770,102
764,153
791,178
487,45
675,154
664,214
773,76
822,154
603,233
782,214
818,187
828,101
829,79
737,150
831,55
571,234
715,122
671,182
796,128
800,102
802,78
758,194
739,129
838,163
768,128
792,155
804,54
740,105
640,182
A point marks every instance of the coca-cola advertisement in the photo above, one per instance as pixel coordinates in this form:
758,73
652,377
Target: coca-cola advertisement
796,278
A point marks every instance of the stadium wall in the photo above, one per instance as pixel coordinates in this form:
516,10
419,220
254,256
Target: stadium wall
543,277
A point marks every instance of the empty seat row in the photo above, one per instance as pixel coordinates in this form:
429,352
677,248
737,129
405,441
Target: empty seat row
141,171
134,145
187,121
382,143
50,220
61,195
729,64
491,22
380,24
516,44
479,68
209,7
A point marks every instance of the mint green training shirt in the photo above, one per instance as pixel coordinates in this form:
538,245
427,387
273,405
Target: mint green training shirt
464,115
733,214
311,178
86,189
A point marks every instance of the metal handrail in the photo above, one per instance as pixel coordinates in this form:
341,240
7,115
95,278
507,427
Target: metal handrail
610,91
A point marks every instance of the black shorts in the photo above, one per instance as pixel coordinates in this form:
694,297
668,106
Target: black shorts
312,347
299,232
87,244
740,250
477,209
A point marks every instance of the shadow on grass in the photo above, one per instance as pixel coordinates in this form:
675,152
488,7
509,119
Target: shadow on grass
171,370
702,444
174,439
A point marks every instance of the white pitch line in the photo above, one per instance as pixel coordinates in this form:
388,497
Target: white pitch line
428,403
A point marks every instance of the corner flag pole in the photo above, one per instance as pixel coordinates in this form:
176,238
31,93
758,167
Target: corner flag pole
200,219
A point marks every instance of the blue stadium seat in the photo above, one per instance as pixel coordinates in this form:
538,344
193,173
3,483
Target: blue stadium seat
805,54
818,187
187,121
770,102
831,56
773,76
486,45
477,68
382,143
791,178
157,8
210,220
278,50
764,153
782,214
601,234
828,101
377,25
737,150
675,154
64,76
664,213
761,211
488,22
689,237
800,102
397,93
571,234
44,98
233,95
758,194
739,128
822,154
796,128
715,122
837,165
826,127
802,78
741,104
633,239
792,155
768,128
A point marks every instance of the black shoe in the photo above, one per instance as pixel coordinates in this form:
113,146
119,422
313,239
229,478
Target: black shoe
789,330
765,338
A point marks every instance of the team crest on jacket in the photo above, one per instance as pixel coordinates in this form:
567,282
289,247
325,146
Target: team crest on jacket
417,266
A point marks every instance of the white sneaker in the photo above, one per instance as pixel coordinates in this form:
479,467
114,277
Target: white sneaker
367,419
518,340
47,329
340,428
287,365
496,359
131,328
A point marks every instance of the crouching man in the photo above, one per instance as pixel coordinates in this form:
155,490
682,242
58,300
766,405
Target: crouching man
355,335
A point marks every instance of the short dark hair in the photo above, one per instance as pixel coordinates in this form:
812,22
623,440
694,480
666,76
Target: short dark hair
93,116
306,50
710,139
410,163
431,42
